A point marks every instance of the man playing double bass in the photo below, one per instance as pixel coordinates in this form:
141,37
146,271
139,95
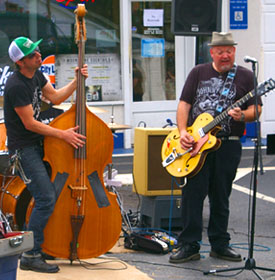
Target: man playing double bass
22,103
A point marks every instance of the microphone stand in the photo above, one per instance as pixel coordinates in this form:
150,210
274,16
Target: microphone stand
250,263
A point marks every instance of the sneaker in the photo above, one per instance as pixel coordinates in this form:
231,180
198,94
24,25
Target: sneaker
185,253
226,253
37,264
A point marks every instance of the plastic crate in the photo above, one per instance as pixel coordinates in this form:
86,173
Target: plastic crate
8,267
118,140
251,130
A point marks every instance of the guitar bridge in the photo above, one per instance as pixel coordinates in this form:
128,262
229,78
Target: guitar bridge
171,158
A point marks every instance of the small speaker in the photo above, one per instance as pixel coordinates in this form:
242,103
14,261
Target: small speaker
196,17
150,177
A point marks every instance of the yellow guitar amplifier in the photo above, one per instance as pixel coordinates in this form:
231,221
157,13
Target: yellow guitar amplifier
150,177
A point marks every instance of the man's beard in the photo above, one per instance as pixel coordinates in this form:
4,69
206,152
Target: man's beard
225,68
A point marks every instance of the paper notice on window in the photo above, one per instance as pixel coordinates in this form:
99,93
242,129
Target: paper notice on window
153,17
104,81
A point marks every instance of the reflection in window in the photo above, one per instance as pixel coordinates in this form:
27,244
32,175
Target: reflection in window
138,77
55,24
153,50
202,49
170,75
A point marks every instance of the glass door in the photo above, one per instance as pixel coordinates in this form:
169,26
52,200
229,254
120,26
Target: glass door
153,51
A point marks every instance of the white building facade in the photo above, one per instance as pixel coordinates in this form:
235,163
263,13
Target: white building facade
122,35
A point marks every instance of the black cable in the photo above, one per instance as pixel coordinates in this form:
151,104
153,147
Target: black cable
179,267
161,264
137,194
142,122
86,264
230,275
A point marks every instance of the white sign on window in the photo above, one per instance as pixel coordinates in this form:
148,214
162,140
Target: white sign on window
153,17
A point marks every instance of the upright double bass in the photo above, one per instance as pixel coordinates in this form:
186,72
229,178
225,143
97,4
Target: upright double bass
86,221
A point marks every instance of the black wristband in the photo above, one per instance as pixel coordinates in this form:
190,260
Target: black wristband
242,117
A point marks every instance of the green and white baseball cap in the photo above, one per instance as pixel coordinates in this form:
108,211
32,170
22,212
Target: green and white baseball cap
21,47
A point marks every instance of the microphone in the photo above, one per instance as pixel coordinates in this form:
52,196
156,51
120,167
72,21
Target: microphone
250,59
169,121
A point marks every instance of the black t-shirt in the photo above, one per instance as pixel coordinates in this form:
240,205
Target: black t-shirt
21,91
202,90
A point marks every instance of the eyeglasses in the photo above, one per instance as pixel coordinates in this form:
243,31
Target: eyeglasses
31,55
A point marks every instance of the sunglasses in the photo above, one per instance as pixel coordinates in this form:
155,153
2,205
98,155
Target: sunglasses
31,55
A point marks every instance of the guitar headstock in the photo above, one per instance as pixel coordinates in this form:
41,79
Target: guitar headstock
265,87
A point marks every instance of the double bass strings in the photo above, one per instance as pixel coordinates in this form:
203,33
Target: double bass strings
80,153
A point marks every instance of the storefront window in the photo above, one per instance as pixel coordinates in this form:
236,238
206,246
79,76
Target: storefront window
203,49
54,21
153,47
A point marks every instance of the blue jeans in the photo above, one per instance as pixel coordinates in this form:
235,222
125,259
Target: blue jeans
41,188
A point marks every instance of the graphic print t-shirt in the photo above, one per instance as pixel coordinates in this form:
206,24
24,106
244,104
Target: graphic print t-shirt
203,89
22,91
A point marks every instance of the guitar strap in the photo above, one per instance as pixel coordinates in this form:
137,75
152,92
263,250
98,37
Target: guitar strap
226,89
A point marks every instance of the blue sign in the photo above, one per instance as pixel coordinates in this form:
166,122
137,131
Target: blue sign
152,47
238,14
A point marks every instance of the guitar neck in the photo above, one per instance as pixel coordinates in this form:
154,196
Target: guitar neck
224,114
263,88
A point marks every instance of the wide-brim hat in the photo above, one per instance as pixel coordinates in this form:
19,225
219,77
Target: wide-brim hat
222,39
21,47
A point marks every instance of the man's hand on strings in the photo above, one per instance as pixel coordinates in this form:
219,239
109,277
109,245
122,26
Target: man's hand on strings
84,71
186,140
74,138
235,113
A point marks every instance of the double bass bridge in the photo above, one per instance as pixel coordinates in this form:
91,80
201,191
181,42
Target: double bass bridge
76,190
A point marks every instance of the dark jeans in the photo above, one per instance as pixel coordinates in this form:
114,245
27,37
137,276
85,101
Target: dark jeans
41,188
215,180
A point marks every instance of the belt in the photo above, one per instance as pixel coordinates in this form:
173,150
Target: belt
228,138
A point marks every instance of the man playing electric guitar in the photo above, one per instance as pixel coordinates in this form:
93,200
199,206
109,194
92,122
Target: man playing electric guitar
212,88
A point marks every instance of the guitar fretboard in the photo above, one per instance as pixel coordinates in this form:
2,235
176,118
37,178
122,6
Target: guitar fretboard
224,114
261,89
